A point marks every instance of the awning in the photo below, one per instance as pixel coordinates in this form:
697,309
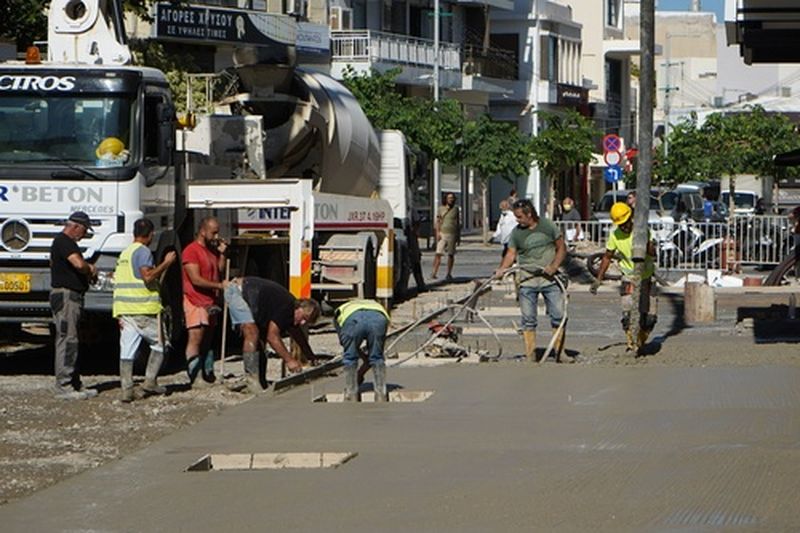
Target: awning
787,159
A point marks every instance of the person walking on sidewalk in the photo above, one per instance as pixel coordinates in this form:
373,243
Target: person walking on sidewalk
448,235
538,246
70,275
505,225
261,306
357,321
137,306
620,244
202,259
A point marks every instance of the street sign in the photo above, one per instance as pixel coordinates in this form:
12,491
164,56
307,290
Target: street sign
612,174
612,143
612,159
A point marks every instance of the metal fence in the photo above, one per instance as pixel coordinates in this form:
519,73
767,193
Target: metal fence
688,245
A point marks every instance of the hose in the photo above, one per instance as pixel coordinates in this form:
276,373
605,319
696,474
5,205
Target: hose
436,334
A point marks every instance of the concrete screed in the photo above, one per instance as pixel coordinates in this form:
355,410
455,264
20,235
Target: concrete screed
499,447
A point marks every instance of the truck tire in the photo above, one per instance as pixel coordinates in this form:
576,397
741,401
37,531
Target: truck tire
370,272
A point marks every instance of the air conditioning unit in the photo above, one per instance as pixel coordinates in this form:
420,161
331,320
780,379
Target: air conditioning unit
341,18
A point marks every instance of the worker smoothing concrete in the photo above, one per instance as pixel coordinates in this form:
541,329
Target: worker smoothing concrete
137,306
537,244
358,321
620,243
262,306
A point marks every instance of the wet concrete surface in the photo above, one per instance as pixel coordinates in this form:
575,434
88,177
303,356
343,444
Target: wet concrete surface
701,434
498,447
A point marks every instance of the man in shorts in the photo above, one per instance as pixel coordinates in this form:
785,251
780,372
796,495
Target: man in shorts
262,307
202,260
448,235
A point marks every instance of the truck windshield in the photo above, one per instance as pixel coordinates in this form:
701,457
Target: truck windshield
75,129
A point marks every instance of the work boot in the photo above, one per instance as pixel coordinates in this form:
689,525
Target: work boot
151,386
208,367
379,383
126,380
351,384
252,372
193,367
558,347
530,345
631,343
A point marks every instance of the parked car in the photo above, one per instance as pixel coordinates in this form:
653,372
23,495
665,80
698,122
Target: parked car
683,203
603,207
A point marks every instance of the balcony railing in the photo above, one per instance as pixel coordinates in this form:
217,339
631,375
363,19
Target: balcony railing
374,46
490,62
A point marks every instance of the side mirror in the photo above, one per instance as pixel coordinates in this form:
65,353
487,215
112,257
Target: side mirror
166,133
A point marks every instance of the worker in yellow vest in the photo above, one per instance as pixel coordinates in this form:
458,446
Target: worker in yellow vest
137,306
357,321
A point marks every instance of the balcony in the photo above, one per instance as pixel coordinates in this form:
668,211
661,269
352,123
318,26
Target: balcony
366,49
490,63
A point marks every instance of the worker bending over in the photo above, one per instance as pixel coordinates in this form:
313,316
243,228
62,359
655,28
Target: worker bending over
259,305
538,246
620,244
137,306
357,321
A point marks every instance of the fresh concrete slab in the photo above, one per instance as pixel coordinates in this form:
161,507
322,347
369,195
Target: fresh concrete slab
500,447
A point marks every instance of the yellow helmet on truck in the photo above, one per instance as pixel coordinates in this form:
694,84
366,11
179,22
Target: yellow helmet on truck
620,213
109,145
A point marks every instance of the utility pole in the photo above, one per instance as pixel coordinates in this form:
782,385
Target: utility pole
644,172
436,172
668,88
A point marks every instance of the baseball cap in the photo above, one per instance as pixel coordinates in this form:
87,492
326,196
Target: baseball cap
79,217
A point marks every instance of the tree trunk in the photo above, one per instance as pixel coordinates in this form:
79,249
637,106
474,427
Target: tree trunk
485,212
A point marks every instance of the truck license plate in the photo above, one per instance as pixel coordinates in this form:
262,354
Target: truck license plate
13,282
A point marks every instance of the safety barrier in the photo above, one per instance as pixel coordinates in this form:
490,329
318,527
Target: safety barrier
688,245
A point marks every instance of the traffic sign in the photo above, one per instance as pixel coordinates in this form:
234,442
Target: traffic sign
612,143
612,174
612,159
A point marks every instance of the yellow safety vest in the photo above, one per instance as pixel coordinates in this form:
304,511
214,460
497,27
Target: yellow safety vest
131,295
348,308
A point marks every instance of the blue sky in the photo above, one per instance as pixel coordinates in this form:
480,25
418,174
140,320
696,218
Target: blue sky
717,6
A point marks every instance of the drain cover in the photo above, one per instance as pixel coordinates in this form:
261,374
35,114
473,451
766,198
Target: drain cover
396,396
269,461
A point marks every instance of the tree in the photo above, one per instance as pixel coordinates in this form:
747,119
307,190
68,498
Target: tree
727,145
493,149
428,126
565,140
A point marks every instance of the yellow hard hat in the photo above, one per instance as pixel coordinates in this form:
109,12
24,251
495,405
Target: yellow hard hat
109,145
620,213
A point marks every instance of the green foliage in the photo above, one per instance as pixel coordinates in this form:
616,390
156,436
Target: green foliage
725,145
23,21
495,148
428,126
564,141
175,67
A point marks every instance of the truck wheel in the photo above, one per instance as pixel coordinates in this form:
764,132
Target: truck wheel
370,272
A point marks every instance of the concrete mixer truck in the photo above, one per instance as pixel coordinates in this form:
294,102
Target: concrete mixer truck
312,195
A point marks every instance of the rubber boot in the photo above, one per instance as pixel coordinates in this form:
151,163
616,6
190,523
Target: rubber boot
208,367
530,345
558,347
252,372
126,380
351,384
193,367
631,343
151,385
379,383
